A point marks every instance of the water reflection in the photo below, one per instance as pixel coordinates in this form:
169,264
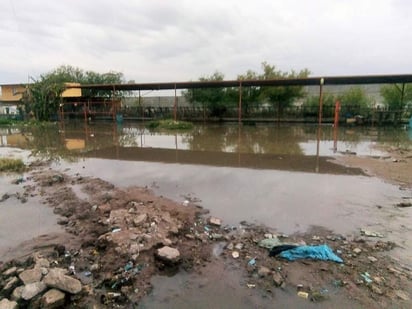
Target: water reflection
268,146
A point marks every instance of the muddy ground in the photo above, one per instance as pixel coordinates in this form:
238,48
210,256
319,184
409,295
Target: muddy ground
113,236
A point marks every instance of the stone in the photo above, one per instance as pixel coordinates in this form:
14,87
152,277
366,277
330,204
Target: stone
277,279
267,235
16,295
7,304
139,220
215,221
10,272
94,267
376,289
32,289
57,279
216,236
52,299
263,271
63,221
31,275
357,250
118,216
402,295
11,283
42,262
168,254
372,259
239,246
167,242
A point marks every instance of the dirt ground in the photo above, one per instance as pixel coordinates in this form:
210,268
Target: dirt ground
113,236
395,168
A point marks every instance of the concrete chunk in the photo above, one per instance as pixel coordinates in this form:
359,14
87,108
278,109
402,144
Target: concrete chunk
32,289
30,275
7,304
168,254
56,279
52,299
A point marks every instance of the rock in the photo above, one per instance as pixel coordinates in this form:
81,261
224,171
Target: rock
216,236
277,279
57,279
32,289
371,233
10,272
267,235
357,250
235,254
167,242
376,289
52,299
239,246
402,295
263,271
372,259
215,221
94,267
168,254
30,275
7,304
41,262
11,283
118,216
139,220
63,221
16,295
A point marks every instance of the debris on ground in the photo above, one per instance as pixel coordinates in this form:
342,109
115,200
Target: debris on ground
124,237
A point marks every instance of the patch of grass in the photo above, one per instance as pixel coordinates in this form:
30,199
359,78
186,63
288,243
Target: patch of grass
6,121
11,165
170,124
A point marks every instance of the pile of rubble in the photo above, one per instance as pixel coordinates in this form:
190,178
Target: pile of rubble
42,285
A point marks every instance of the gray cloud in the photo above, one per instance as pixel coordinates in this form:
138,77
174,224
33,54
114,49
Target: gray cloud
162,40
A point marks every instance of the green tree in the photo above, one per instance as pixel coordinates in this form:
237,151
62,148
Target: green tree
43,95
281,96
311,105
397,96
354,101
216,100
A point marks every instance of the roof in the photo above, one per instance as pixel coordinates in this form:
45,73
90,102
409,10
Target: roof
309,81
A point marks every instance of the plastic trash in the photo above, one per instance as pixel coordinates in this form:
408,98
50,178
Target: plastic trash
276,250
366,277
269,243
303,294
252,262
321,252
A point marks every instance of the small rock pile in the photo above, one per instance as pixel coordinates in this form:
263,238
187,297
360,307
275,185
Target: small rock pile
42,285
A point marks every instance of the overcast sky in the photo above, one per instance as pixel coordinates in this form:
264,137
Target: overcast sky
162,40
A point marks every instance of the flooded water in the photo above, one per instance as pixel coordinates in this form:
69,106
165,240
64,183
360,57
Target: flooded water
281,176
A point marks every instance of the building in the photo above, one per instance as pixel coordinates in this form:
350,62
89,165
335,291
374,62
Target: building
11,95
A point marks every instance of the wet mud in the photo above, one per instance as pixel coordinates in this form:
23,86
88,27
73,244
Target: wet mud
113,234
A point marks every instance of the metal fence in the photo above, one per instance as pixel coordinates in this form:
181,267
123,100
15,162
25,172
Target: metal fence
270,113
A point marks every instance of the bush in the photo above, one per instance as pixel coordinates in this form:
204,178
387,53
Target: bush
11,165
170,124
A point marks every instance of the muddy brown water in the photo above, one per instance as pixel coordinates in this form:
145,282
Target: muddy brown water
280,176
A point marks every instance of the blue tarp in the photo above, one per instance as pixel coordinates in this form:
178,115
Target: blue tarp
321,252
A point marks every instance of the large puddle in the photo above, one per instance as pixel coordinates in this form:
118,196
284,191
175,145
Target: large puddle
280,176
